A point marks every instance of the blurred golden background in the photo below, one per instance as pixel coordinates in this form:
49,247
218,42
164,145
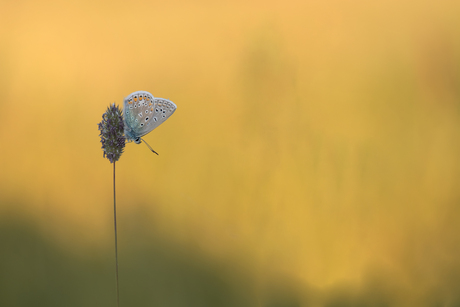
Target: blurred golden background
313,159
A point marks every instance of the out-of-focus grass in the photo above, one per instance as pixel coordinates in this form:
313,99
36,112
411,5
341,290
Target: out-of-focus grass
315,148
155,272
36,272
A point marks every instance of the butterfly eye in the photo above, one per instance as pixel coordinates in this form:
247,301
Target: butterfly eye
164,111
156,110
135,105
163,116
154,119
146,119
142,125
146,111
140,114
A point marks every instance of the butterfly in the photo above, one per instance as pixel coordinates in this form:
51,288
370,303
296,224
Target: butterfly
143,113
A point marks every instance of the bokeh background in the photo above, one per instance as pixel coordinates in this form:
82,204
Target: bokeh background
313,159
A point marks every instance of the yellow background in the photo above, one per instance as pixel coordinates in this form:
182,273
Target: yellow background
313,159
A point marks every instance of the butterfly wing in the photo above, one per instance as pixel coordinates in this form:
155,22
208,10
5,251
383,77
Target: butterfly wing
143,113
161,110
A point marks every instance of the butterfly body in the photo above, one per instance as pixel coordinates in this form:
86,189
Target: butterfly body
142,113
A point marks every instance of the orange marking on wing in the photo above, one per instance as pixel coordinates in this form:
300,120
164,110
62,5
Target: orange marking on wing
135,99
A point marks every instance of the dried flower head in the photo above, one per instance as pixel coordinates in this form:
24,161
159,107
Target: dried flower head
112,138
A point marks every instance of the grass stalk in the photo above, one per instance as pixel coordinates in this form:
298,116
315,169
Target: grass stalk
116,240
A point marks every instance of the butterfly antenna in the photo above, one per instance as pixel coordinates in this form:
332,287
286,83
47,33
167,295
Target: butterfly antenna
149,147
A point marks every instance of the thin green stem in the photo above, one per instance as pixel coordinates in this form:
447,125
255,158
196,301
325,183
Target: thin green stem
115,223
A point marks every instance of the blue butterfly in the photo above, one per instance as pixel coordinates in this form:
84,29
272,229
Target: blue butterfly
143,113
